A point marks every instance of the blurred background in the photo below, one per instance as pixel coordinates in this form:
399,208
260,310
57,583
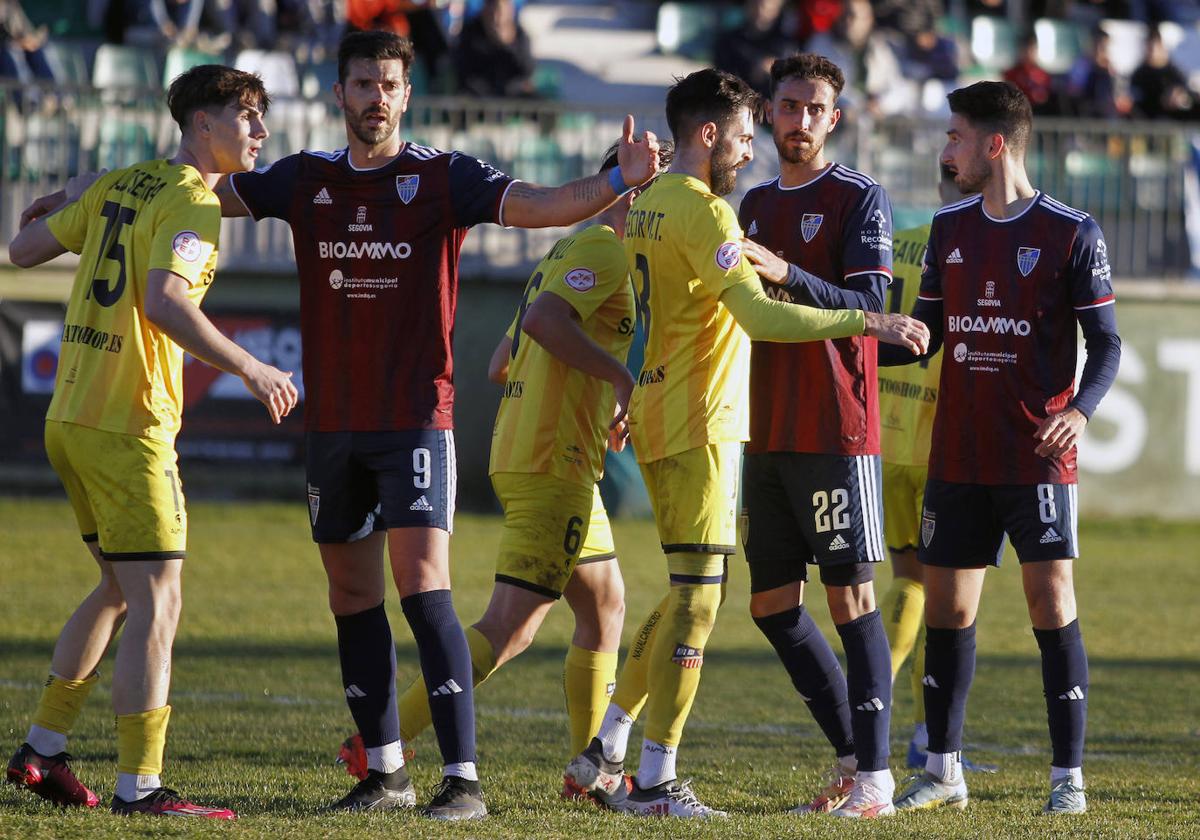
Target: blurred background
539,89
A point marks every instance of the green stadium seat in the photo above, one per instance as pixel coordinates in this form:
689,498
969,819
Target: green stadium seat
316,80
993,43
63,18
180,59
68,60
123,143
124,67
1059,43
687,29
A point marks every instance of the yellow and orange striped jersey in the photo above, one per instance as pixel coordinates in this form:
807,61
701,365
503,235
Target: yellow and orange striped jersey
554,418
116,370
908,393
683,246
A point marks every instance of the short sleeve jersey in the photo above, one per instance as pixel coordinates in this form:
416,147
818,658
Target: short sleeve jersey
683,247
1009,289
554,418
117,371
377,255
819,396
907,393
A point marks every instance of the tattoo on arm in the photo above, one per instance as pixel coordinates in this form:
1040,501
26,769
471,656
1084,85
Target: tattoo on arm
522,190
588,189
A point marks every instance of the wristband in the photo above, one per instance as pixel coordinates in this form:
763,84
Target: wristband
617,181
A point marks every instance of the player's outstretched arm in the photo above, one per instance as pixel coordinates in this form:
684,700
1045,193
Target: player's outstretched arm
498,364
863,291
928,313
764,319
532,206
168,307
554,324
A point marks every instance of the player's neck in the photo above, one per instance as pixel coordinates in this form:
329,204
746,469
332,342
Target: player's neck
1008,192
200,162
694,163
366,156
800,174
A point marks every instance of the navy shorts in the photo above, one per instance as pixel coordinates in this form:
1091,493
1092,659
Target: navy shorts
359,482
803,508
963,525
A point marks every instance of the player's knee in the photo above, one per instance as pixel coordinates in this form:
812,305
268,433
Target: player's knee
696,604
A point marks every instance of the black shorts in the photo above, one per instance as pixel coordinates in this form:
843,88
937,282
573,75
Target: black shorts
359,482
963,525
806,508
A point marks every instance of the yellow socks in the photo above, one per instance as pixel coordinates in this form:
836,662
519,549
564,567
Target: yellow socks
677,657
414,703
903,610
61,702
588,678
633,684
141,739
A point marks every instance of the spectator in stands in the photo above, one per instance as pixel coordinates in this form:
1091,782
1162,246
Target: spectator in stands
868,59
493,57
21,53
1159,88
1033,80
907,17
1092,84
413,19
931,56
816,17
749,49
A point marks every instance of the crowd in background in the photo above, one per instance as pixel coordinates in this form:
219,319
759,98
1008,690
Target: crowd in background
479,48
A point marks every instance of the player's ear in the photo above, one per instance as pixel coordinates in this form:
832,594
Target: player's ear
337,94
708,134
833,119
996,145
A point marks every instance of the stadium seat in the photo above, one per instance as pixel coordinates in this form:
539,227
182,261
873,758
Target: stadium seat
316,81
278,70
686,29
124,67
180,59
993,43
69,62
1186,55
1127,44
1059,43
124,142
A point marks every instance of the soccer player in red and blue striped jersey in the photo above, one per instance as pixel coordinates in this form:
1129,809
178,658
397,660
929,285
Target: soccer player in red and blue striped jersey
1008,274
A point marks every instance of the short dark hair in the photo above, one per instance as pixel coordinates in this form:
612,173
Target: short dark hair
997,108
708,96
808,66
374,45
666,153
214,85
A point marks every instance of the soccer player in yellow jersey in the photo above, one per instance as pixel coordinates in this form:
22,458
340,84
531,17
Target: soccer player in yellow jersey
700,303
562,365
907,401
147,240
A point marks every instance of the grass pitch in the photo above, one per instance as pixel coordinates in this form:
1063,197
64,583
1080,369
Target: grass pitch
258,712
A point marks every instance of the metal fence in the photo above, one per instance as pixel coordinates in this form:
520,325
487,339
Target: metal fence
1129,176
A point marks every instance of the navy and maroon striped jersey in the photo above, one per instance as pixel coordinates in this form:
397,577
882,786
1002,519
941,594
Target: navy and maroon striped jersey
377,255
820,396
1010,290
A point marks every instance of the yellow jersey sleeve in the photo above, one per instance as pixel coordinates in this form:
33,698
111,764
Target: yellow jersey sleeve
592,269
70,224
714,247
186,233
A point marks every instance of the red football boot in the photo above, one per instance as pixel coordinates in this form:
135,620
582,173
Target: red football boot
50,777
165,802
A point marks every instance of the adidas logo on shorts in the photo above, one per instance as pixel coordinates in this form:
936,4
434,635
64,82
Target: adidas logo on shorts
446,689
421,504
322,197
839,543
1051,536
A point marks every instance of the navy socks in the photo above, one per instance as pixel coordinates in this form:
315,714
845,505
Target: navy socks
869,686
1065,681
368,660
949,670
446,667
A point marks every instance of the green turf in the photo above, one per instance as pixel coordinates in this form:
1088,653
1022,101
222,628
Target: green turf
258,711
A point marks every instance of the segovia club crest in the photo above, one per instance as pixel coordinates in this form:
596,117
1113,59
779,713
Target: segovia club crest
1026,259
810,223
406,186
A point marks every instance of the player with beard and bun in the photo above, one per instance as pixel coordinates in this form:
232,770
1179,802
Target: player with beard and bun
700,303
377,228
821,233
1007,275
